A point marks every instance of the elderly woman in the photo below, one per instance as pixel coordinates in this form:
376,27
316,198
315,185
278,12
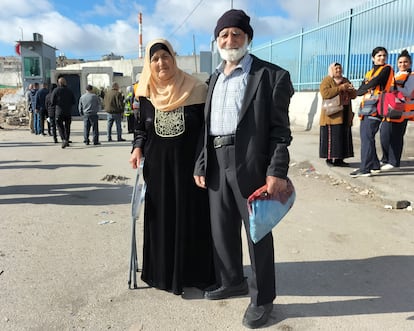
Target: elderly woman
177,236
335,143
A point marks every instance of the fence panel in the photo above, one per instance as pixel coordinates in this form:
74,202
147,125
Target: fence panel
348,39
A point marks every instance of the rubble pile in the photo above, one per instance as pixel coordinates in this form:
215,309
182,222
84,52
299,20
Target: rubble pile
13,108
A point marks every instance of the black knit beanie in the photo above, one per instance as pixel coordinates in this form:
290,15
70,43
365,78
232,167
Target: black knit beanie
234,18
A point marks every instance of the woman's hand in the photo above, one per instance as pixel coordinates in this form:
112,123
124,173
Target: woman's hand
136,157
345,86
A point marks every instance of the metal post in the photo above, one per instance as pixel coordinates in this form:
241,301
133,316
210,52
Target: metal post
319,9
195,54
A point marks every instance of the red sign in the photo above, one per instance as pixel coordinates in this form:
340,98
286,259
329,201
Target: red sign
17,49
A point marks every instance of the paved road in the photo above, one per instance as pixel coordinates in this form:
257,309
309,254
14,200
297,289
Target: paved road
343,261
391,186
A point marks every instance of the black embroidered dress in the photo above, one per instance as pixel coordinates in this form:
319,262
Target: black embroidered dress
177,236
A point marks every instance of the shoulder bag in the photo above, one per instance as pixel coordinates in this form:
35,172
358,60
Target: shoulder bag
369,105
333,105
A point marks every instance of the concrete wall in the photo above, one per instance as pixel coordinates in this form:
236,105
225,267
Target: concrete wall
305,110
130,70
186,63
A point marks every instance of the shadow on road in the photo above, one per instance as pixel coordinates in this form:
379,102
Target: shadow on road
385,283
67,194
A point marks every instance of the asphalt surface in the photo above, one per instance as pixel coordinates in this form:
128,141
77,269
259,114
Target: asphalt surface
344,259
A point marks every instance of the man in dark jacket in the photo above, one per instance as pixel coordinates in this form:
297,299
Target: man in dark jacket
245,147
32,105
51,112
41,111
114,106
63,99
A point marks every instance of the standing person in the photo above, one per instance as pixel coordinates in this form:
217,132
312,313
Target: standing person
32,102
114,106
177,249
245,147
89,105
51,112
392,131
128,108
63,99
29,107
378,79
41,110
335,140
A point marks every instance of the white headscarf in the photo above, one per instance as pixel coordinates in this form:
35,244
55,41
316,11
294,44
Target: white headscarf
180,90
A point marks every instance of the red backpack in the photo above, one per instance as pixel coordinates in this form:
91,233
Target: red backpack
391,104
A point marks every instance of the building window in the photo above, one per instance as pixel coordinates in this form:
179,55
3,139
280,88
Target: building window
31,66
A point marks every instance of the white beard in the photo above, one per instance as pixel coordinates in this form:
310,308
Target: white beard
234,54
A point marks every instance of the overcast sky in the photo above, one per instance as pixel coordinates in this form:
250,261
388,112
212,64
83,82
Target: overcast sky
89,29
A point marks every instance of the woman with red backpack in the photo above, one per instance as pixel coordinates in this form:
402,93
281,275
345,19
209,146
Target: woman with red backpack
392,131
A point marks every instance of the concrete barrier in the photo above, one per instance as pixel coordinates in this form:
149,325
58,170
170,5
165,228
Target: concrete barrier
305,108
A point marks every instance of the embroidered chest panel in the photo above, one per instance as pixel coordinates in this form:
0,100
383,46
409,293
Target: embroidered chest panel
169,123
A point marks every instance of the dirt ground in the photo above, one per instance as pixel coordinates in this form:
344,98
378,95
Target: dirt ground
343,260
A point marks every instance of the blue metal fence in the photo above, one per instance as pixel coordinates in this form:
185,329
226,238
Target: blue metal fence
348,38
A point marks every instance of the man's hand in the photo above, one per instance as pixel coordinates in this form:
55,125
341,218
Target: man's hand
200,181
275,184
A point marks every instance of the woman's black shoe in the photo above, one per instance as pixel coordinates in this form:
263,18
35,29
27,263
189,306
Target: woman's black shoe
329,162
340,163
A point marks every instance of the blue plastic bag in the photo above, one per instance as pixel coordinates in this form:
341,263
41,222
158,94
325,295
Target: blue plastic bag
266,211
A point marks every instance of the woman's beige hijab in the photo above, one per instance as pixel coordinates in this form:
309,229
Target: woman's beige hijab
181,89
331,72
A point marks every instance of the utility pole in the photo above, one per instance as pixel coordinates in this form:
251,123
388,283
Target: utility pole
319,9
195,55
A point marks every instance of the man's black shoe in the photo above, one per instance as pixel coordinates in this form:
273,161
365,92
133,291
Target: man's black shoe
227,292
122,139
97,143
257,316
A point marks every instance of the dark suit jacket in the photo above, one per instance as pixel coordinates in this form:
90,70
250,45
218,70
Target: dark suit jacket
263,131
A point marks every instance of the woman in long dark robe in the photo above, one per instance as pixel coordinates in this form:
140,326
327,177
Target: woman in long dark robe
177,235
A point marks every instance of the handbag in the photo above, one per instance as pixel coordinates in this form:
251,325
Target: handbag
333,105
369,105
266,211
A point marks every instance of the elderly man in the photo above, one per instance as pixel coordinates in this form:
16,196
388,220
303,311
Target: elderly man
246,143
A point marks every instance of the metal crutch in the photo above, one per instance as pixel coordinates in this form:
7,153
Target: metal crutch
138,197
